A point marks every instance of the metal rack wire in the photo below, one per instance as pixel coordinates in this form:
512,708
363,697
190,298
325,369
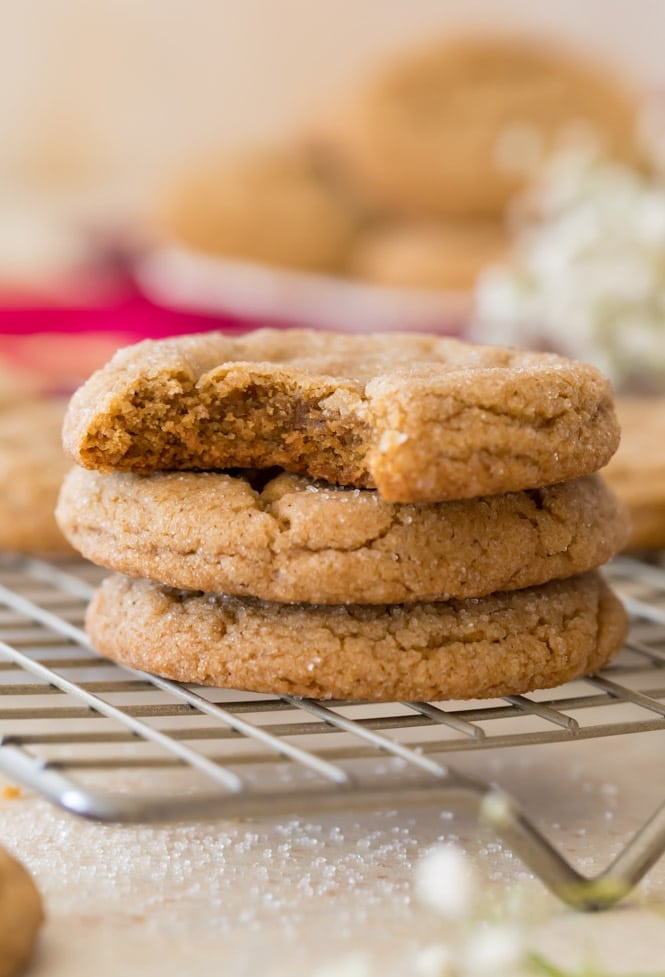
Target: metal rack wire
66,714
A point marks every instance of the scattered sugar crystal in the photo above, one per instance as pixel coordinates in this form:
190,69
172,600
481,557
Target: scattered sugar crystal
392,439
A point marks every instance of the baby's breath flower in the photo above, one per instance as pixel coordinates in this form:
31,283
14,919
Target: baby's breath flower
587,270
494,951
351,965
435,960
445,882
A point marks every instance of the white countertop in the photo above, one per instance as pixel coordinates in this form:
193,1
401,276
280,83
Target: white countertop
285,897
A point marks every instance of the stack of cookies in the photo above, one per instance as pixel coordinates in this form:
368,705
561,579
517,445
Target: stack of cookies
359,517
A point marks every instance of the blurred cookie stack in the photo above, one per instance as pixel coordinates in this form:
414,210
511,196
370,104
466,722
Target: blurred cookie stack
377,517
32,466
637,472
407,182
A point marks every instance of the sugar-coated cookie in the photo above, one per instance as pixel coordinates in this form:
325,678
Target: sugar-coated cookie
498,645
287,538
418,417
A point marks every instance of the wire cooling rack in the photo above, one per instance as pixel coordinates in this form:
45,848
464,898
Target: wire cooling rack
69,717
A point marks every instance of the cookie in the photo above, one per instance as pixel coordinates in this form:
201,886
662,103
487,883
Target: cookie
498,645
418,417
275,207
14,388
457,129
32,466
21,915
637,472
444,255
286,538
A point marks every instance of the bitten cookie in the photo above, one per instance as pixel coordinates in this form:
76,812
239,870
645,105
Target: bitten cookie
418,417
458,128
499,645
32,466
286,538
21,915
637,472
275,207
426,255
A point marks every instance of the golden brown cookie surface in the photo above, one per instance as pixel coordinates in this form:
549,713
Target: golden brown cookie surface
457,129
32,466
637,471
418,417
286,538
498,645
21,915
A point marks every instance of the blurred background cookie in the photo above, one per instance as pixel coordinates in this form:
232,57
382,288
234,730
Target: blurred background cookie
276,206
32,466
408,181
637,472
427,255
21,915
457,128
13,386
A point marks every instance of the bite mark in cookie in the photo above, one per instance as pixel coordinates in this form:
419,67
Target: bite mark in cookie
418,417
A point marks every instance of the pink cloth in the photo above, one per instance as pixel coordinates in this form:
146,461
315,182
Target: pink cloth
129,314
56,347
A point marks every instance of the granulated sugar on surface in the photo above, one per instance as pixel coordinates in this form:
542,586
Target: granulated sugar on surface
283,896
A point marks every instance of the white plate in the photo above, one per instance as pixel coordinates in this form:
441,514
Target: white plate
198,283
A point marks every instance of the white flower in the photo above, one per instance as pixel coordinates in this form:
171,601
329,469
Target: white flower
495,951
445,882
435,960
351,965
587,265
